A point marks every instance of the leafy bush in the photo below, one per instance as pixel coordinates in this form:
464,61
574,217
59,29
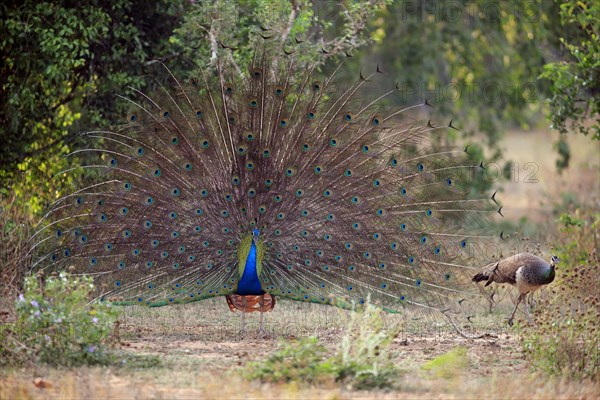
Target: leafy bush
294,361
574,84
361,360
56,325
566,336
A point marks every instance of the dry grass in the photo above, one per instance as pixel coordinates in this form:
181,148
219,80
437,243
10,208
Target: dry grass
106,384
202,355
535,197
15,229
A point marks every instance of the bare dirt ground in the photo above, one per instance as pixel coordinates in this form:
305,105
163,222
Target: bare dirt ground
202,355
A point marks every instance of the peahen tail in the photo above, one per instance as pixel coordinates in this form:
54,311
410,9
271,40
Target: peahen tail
278,177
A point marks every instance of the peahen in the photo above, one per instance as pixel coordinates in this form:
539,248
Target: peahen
273,182
525,271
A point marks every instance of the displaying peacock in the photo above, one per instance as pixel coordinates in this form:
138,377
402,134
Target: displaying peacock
266,183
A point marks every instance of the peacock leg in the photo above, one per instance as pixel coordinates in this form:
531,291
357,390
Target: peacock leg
261,330
243,330
510,320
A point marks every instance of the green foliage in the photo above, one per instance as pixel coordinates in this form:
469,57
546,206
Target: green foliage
293,361
361,360
566,335
476,62
575,81
231,29
62,64
56,325
448,365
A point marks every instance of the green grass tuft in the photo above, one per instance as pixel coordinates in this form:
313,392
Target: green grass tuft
449,365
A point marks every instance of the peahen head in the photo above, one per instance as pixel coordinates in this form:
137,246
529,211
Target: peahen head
550,273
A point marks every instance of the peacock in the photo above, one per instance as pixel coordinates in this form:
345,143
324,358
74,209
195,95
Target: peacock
276,182
525,271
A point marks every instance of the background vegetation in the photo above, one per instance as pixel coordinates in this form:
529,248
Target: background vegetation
490,65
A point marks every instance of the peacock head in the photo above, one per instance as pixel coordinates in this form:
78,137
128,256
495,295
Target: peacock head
554,260
255,233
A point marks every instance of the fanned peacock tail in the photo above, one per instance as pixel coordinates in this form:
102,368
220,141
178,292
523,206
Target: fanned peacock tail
346,200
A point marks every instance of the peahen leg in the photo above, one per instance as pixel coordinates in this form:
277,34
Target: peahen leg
527,300
510,320
531,301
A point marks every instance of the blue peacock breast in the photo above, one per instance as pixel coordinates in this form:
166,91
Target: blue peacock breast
249,283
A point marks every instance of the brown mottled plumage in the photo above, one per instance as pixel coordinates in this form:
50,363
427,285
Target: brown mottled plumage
524,271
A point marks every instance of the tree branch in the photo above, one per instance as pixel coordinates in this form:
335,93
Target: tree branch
290,23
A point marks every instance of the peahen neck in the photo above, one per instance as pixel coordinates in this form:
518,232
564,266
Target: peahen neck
550,273
249,283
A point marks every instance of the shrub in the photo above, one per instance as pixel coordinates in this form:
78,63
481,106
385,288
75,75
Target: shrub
566,336
294,361
57,324
361,360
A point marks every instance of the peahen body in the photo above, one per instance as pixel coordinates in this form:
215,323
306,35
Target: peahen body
272,183
525,271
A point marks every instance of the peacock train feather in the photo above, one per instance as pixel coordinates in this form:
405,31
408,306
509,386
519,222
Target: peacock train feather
273,183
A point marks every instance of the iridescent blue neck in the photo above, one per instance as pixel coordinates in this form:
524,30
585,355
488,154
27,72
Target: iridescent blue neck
249,284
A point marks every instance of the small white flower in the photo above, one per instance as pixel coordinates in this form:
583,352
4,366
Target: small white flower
95,320
21,297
